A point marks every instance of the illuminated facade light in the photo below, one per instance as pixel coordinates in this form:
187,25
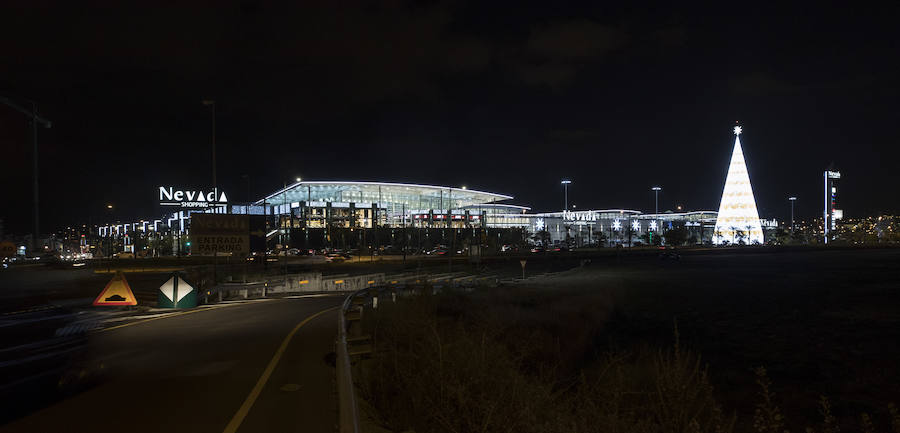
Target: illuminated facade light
737,209
617,225
636,225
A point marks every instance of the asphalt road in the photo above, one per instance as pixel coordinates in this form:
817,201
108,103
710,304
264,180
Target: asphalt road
230,368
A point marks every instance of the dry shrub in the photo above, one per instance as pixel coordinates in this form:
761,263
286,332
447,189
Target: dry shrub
513,362
434,372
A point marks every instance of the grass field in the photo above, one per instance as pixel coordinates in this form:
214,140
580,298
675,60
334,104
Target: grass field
822,323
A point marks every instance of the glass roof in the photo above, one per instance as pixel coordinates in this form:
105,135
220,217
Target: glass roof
411,196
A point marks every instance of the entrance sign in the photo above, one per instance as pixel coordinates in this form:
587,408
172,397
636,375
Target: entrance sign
117,292
177,293
192,198
220,233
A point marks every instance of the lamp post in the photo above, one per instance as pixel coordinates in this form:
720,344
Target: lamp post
109,209
212,104
565,184
656,190
792,200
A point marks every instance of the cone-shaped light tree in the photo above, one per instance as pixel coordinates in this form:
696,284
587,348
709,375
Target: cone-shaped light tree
738,219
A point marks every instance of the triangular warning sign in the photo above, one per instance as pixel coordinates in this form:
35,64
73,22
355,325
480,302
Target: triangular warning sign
116,292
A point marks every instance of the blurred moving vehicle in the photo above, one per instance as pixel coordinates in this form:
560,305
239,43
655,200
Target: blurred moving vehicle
668,254
124,255
336,257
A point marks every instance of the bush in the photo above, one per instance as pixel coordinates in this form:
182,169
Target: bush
439,367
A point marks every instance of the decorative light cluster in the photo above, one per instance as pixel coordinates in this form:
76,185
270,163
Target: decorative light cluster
738,219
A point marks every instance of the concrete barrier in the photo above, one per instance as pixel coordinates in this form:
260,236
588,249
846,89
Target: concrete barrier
310,282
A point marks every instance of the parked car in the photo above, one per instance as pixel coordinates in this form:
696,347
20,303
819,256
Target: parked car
537,249
124,255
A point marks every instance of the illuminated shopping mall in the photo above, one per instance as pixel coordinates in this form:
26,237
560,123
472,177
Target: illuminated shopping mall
311,206
314,213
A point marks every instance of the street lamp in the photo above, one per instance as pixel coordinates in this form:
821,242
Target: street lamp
565,184
656,190
109,208
792,199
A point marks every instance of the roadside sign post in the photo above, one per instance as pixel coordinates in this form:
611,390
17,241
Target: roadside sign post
177,293
116,293
522,262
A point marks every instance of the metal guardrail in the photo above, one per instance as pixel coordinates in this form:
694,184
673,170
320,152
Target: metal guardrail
348,410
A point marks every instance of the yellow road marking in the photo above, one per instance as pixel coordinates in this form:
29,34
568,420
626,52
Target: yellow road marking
261,383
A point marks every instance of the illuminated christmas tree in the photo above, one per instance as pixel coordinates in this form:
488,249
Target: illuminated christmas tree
738,219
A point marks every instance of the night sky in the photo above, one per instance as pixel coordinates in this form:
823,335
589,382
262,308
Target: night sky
509,98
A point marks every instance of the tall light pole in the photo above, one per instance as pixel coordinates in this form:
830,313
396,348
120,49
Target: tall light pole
656,190
565,184
212,104
792,199
109,209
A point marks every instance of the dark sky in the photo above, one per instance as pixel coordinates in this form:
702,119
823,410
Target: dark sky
504,97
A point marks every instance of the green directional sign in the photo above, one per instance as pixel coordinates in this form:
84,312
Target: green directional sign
177,293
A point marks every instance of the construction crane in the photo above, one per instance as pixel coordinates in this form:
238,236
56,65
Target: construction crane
35,120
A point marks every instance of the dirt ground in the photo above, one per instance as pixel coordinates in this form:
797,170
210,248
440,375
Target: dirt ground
821,322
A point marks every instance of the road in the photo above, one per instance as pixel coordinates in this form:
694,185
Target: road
264,365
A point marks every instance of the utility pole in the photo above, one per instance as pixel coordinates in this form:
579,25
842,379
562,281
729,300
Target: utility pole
35,119
792,199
